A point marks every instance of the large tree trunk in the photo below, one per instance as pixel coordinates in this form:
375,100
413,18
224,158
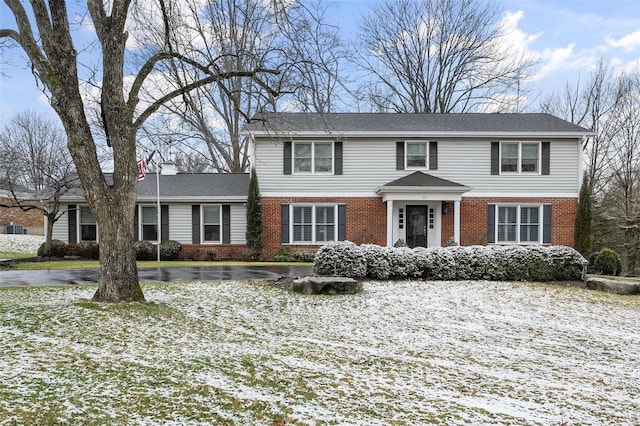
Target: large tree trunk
118,271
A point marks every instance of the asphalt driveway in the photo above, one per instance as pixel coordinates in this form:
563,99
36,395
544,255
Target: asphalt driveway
9,278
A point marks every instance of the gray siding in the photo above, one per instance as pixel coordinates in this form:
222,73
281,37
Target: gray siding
238,224
179,223
61,227
370,163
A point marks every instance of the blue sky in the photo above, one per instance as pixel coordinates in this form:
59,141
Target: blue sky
568,37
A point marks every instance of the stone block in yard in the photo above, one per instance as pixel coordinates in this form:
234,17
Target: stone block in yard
326,285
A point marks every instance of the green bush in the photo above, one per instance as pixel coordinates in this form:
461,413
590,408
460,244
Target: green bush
145,250
57,249
284,254
170,250
88,250
607,262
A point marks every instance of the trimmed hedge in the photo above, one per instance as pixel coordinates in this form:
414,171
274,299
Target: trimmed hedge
498,263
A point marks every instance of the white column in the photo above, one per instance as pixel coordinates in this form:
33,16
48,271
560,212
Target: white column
456,222
389,223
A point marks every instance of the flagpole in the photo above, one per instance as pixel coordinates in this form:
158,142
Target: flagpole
159,213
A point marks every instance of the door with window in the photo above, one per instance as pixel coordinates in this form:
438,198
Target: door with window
417,226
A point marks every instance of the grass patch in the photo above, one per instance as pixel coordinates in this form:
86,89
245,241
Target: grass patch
15,255
247,353
94,264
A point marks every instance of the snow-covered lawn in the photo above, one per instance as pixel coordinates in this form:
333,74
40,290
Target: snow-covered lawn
405,353
20,243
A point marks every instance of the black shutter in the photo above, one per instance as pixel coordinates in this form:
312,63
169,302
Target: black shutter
136,228
226,224
495,158
546,157
287,158
491,223
546,224
284,230
433,155
164,225
337,160
73,223
399,155
342,222
195,224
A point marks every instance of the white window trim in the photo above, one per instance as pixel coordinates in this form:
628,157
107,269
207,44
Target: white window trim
79,222
313,157
202,224
426,157
519,162
141,222
313,224
519,223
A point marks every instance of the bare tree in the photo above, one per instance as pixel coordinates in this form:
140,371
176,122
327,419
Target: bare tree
592,104
248,32
437,56
38,169
44,34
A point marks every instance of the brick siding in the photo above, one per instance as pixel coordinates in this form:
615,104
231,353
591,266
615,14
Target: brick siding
366,221
473,219
32,220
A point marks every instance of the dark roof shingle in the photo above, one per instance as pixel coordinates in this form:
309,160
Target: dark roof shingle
389,122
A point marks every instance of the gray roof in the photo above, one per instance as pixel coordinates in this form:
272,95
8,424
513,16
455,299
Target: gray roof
189,186
420,179
390,122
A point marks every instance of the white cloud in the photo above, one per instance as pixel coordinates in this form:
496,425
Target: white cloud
553,59
513,38
628,42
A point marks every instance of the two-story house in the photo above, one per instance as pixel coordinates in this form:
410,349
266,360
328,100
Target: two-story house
427,179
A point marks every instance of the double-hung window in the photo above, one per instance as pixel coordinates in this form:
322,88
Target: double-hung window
519,224
88,227
416,154
313,224
520,157
211,220
313,157
149,223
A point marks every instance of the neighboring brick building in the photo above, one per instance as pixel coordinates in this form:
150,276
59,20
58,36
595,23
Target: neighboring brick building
427,179
32,221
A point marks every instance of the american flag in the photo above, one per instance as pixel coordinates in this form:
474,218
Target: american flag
142,166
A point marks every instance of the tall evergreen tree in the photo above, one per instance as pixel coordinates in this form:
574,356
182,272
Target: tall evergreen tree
254,217
583,236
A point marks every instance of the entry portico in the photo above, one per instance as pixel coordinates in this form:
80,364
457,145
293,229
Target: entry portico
415,205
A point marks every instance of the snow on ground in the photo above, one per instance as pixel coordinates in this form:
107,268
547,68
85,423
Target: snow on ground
454,353
20,243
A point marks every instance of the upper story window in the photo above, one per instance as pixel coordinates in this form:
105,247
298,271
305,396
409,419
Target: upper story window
520,157
416,155
211,220
88,227
313,157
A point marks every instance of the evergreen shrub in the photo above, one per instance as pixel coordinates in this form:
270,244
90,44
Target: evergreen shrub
170,250
57,249
145,250
607,262
88,250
